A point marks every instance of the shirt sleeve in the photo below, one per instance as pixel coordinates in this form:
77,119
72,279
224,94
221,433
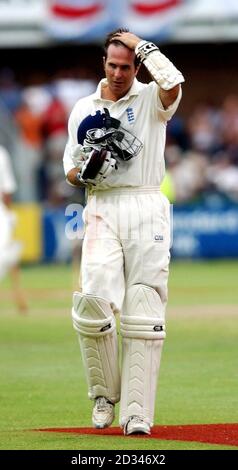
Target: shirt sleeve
8,183
166,114
71,143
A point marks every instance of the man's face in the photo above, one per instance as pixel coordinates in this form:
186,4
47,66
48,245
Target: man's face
120,69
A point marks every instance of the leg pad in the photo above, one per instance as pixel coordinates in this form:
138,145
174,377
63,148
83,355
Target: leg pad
94,321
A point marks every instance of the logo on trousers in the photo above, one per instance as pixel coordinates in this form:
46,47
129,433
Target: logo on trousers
158,238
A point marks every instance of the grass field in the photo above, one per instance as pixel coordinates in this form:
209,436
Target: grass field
42,380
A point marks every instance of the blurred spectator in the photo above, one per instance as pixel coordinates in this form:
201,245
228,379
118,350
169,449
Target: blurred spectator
204,129
70,90
10,92
8,129
187,171
29,155
230,120
177,133
223,175
229,117
54,132
65,93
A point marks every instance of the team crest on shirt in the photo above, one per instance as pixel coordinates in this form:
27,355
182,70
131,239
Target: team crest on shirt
130,115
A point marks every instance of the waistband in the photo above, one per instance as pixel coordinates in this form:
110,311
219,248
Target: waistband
123,190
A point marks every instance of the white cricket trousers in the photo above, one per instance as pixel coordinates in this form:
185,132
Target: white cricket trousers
127,241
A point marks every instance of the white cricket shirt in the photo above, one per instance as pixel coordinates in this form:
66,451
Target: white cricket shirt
140,112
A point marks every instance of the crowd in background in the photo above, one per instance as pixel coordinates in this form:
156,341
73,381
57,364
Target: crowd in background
201,150
33,128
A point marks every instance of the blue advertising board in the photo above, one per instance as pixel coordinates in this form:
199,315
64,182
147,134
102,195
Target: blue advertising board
201,230
205,231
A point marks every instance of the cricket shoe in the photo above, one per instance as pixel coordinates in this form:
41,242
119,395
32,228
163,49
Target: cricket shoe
136,425
103,413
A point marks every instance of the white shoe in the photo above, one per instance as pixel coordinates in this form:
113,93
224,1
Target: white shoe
136,425
103,413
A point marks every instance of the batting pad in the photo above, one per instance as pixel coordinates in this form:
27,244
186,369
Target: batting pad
143,332
94,321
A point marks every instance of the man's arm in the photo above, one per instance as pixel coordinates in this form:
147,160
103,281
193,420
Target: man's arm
159,66
167,97
71,158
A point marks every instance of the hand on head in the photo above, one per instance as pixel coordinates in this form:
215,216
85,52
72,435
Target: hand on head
128,39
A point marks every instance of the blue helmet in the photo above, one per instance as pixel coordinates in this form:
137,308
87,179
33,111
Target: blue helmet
103,129
99,120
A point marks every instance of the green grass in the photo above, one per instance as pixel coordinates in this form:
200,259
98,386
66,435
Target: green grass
203,283
41,374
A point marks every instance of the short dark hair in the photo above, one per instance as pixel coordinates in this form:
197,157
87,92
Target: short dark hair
109,40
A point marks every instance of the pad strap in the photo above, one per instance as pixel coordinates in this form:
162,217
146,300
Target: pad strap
142,328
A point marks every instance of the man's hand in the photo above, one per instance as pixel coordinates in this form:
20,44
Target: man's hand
72,178
128,39
98,166
94,170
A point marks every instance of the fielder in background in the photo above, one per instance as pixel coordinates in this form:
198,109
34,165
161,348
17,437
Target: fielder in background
10,250
116,149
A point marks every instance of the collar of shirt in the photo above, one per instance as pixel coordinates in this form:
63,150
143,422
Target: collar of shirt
134,90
